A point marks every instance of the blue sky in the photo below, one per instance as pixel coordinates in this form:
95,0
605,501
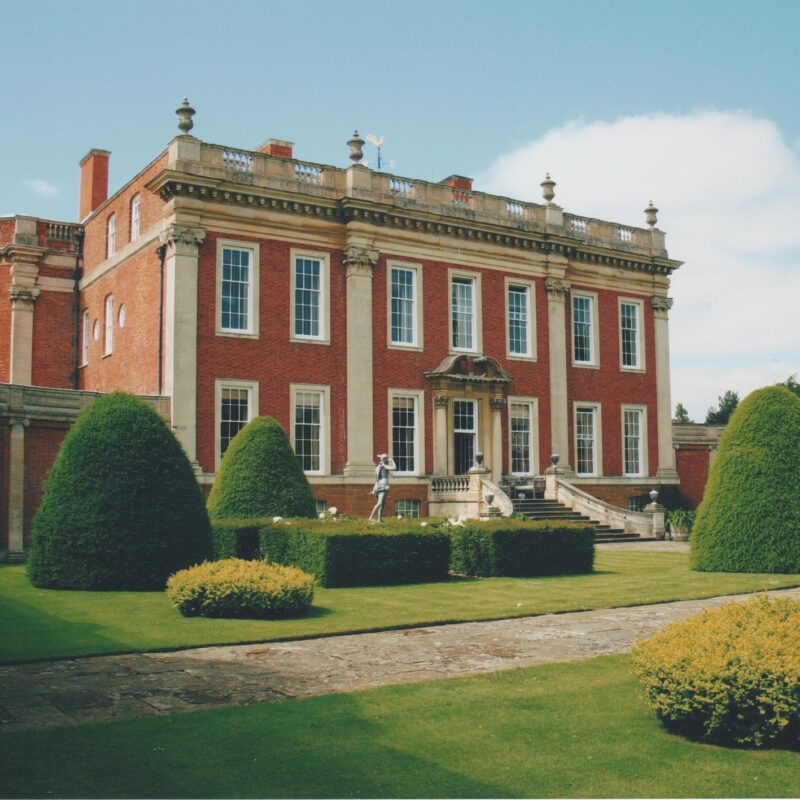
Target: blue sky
690,104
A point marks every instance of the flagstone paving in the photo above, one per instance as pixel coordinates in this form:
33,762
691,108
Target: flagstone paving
103,688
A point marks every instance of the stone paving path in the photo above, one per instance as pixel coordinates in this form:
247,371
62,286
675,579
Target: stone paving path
80,690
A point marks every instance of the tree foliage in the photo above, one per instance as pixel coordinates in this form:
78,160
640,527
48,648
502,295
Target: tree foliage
727,405
260,476
792,385
681,415
121,507
749,520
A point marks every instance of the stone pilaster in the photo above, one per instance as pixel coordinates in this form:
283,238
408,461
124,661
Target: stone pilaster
666,452
359,264
440,437
557,289
180,331
498,406
16,489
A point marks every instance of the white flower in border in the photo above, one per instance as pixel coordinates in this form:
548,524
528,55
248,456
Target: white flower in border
322,515
423,524
277,519
333,510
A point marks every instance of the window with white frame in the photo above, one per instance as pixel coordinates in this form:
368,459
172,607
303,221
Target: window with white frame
236,289
111,236
633,441
85,337
405,438
407,507
583,322
465,435
310,427
235,408
403,306
521,438
308,293
630,334
108,338
462,313
136,211
586,439
518,303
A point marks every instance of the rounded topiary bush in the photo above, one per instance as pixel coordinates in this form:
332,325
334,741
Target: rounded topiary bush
749,520
260,476
729,676
234,587
121,507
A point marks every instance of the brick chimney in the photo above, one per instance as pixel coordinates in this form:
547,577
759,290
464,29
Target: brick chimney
94,181
458,182
277,147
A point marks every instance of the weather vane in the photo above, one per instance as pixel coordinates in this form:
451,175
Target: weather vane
378,143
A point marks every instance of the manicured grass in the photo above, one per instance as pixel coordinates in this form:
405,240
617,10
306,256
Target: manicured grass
561,730
46,623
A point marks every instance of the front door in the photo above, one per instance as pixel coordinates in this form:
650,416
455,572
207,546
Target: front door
465,433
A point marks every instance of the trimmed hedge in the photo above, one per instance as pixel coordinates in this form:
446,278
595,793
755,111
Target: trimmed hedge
121,508
749,520
234,538
260,476
355,553
237,588
521,549
729,676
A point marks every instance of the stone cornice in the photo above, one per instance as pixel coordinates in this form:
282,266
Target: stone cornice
346,210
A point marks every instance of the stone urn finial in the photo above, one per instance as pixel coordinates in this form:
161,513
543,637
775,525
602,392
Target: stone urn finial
547,188
185,113
653,495
650,215
356,145
554,459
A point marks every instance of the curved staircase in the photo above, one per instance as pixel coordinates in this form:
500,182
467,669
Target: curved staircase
551,510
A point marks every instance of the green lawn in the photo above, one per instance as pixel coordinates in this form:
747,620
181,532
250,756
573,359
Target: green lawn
43,623
560,730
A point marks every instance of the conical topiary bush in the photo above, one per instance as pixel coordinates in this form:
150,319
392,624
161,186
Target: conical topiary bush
260,476
749,520
121,507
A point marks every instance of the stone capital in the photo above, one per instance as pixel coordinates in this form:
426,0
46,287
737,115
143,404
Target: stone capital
18,422
441,401
498,403
661,305
23,297
557,288
360,261
183,239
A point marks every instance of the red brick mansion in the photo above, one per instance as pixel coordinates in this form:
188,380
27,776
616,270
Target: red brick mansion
366,312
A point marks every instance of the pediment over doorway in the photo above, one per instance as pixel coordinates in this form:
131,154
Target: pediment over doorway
466,368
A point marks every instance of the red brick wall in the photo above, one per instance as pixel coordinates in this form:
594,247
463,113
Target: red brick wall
692,464
271,359
612,387
133,363
617,495
42,440
52,339
94,248
5,322
5,435
356,501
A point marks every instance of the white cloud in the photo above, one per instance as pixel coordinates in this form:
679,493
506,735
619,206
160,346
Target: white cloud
41,187
728,186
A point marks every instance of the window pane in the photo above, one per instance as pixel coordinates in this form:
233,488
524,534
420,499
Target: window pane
629,324
464,435
234,415
463,313
402,301
307,296
585,436
582,329
518,320
633,442
521,438
235,291
404,426
407,508
308,429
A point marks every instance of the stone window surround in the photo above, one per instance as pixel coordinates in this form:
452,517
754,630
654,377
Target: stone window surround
252,410
418,343
325,423
477,310
594,362
325,296
533,405
108,325
531,287
598,437
640,338
419,428
253,300
643,451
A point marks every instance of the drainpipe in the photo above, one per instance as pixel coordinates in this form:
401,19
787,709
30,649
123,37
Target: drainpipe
161,252
76,305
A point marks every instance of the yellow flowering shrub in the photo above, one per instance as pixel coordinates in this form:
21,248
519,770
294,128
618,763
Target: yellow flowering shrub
730,676
234,587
